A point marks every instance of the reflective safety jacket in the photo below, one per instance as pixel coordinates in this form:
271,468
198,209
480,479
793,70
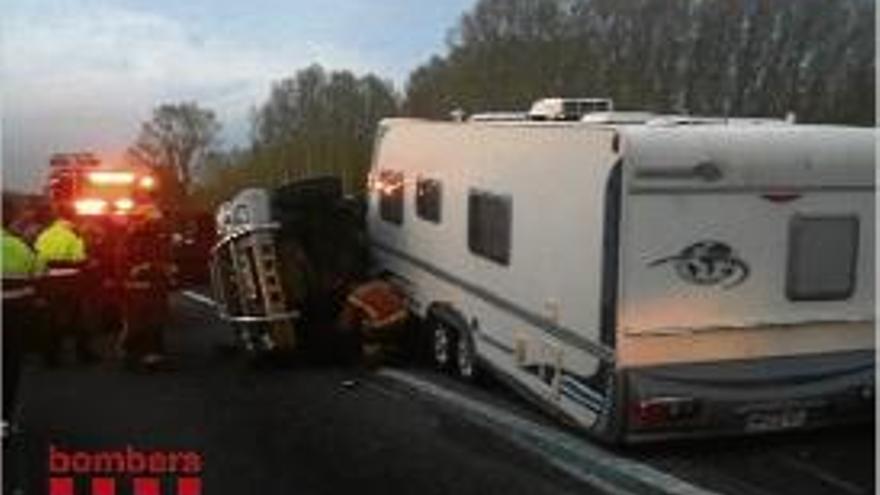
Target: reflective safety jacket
381,304
19,266
60,244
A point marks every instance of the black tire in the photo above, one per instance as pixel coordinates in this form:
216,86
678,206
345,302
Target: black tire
610,425
466,359
443,340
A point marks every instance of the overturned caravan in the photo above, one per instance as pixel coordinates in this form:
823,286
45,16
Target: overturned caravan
284,260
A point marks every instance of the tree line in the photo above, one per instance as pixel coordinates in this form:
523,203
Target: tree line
704,57
715,57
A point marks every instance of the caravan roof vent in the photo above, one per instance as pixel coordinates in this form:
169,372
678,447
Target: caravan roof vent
571,109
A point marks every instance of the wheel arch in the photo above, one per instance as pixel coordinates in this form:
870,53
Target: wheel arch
448,314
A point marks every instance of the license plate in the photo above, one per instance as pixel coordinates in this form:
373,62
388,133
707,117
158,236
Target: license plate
776,420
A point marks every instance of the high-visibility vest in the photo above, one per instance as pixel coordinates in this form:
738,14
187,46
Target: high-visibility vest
59,244
19,265
380,302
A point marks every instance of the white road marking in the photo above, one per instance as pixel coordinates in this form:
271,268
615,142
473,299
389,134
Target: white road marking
199,298
585,461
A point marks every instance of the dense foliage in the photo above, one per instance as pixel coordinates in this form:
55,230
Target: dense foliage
718,57
313,123
706,57
174,140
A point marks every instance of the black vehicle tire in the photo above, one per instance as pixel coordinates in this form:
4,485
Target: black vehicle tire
466,365
611,424
443,345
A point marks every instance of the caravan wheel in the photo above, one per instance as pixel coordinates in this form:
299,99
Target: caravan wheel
466,359
442,345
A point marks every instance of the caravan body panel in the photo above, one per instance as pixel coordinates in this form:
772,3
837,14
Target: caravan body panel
747,278
642,268
786,200
535,316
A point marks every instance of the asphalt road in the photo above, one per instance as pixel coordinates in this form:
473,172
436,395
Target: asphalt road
317,430
326,429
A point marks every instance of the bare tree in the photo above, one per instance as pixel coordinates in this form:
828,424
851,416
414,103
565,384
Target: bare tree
175,139
318,122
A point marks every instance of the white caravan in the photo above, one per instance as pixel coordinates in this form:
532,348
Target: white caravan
672,277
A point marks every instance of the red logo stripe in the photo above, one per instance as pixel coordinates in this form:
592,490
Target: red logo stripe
103,486
189,486
60,486
146,486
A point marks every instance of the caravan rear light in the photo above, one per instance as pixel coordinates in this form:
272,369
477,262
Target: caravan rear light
90,206
659,410
111,178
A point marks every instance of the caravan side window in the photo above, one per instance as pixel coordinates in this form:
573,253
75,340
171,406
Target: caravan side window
429,199
822,258
391,196
489,225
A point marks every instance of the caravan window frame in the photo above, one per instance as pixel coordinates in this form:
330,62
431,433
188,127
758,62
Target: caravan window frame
429,199
391,204
485,236
797,227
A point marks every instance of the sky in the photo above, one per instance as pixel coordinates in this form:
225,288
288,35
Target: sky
83,74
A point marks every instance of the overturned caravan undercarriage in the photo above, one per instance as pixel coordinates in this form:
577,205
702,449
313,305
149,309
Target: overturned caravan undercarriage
285,261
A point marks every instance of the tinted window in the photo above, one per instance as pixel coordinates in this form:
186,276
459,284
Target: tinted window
489,226
822,258
391,196
429,199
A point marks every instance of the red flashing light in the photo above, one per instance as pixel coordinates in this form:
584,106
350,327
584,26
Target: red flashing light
147,182
123,204
90,206
111,178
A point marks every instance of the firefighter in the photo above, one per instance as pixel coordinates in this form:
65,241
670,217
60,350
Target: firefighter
20,267
375,313
145,270
29,222
63,251
104,316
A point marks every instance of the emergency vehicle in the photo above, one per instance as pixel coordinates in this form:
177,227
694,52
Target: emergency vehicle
81,182
106,203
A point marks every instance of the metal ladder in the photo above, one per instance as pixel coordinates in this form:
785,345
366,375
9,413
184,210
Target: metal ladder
247,281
